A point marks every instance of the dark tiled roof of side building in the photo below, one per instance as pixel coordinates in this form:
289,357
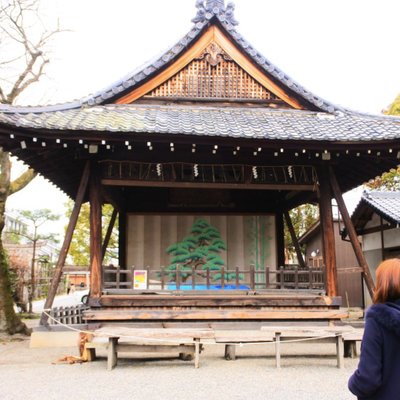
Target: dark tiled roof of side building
385,204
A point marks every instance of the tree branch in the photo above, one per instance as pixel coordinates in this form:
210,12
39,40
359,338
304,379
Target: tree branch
22,181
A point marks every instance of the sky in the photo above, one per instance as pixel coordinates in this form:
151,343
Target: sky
345,51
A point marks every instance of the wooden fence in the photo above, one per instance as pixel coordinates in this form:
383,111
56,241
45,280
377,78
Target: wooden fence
67,315
287,277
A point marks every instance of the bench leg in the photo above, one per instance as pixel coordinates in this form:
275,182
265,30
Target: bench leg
112,353
278,349
339,351
197,353
350,349
230,352
90,354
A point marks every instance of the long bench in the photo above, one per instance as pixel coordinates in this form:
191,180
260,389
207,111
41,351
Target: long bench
188,343
330,334
185,342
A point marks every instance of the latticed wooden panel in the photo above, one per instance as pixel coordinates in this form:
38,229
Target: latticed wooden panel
220,79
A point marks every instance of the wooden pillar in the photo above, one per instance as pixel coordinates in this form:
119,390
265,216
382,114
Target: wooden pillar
95,197
280,239
362,262
328,233
294,239
122,238
382,239
67,242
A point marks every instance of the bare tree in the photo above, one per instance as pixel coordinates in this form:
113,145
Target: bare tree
23,48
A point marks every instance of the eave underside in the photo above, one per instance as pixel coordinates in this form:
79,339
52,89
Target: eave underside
62,163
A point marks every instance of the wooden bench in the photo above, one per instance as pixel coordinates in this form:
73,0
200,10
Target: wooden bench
278,334
327,334
184,342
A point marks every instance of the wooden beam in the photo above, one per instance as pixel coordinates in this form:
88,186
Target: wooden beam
382,238
280,239
328,233
352,233
95,198
206,185
122,223
217,301
67,242
294,239
374,229
109,233
211,314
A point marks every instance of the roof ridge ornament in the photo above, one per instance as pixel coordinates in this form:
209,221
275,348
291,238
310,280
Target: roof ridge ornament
206,9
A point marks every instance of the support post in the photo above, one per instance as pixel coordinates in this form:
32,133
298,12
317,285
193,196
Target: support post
67,242
362,262
280,239
328,233
109,233
382,239
95,239
122,237
294,239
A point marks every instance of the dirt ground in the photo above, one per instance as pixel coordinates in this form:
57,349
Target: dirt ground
308,372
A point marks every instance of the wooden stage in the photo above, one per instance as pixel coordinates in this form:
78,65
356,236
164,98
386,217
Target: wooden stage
203,307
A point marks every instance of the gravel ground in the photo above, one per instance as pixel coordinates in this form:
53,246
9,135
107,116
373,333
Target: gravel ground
308,372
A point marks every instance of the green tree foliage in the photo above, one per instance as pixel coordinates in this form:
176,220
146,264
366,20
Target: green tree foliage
394,108
303,217
79,250
389,181
35,219
199,251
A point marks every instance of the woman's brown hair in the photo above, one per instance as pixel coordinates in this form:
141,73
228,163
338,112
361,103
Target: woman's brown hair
387,281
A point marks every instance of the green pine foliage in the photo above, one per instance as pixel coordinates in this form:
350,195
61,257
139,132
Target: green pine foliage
199,251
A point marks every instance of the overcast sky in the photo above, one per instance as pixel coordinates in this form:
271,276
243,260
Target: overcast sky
345,51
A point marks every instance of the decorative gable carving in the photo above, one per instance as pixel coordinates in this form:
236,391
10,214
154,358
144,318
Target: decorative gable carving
213,75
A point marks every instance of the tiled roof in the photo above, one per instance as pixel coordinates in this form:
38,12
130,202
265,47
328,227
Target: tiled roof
252,123
208,10
385,204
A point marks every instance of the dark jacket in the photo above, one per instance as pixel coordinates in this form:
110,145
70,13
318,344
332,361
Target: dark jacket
378,374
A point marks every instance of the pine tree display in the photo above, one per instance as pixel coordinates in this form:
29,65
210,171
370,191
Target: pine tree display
199,252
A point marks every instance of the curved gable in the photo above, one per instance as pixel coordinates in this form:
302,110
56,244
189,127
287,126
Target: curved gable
213,69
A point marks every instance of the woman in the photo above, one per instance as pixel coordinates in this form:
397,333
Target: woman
378,374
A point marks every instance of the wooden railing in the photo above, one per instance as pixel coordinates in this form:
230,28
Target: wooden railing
287,277
67,315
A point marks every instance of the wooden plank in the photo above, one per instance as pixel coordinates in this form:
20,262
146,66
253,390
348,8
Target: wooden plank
216,301
207,185
66,243
154,347
308,331
126,333
129,315
243,336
